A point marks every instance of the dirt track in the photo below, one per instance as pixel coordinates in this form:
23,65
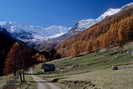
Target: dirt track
44,84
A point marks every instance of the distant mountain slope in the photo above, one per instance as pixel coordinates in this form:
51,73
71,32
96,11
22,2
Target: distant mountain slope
33,33
114,30
85,23
34,36
42,38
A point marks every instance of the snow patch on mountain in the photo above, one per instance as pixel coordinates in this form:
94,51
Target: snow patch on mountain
109,12
32,33
38,35
127,6
86,23
57,35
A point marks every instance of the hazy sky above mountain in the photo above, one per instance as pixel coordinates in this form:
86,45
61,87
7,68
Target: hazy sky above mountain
54,12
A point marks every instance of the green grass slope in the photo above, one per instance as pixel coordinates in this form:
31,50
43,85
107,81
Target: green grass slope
94,71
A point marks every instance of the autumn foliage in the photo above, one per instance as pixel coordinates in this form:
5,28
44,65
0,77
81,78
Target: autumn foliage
19,57
113,31
5,44
16,55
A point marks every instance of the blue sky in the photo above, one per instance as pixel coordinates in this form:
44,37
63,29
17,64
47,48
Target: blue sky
54,12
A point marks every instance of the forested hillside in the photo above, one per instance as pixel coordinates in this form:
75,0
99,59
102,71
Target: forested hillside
15,55
113,31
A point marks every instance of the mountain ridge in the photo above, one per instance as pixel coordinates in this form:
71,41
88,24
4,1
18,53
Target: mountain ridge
110,32
53,35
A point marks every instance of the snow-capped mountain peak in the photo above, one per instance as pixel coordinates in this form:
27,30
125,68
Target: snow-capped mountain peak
86,23
5,22
109,12
29,32
127,6
39,34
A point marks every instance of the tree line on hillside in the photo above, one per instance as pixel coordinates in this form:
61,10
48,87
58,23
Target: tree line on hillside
113,31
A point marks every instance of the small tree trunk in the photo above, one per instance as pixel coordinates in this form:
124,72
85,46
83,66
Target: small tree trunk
23,76
20,75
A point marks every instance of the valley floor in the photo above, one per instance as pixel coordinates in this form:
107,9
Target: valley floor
93,71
